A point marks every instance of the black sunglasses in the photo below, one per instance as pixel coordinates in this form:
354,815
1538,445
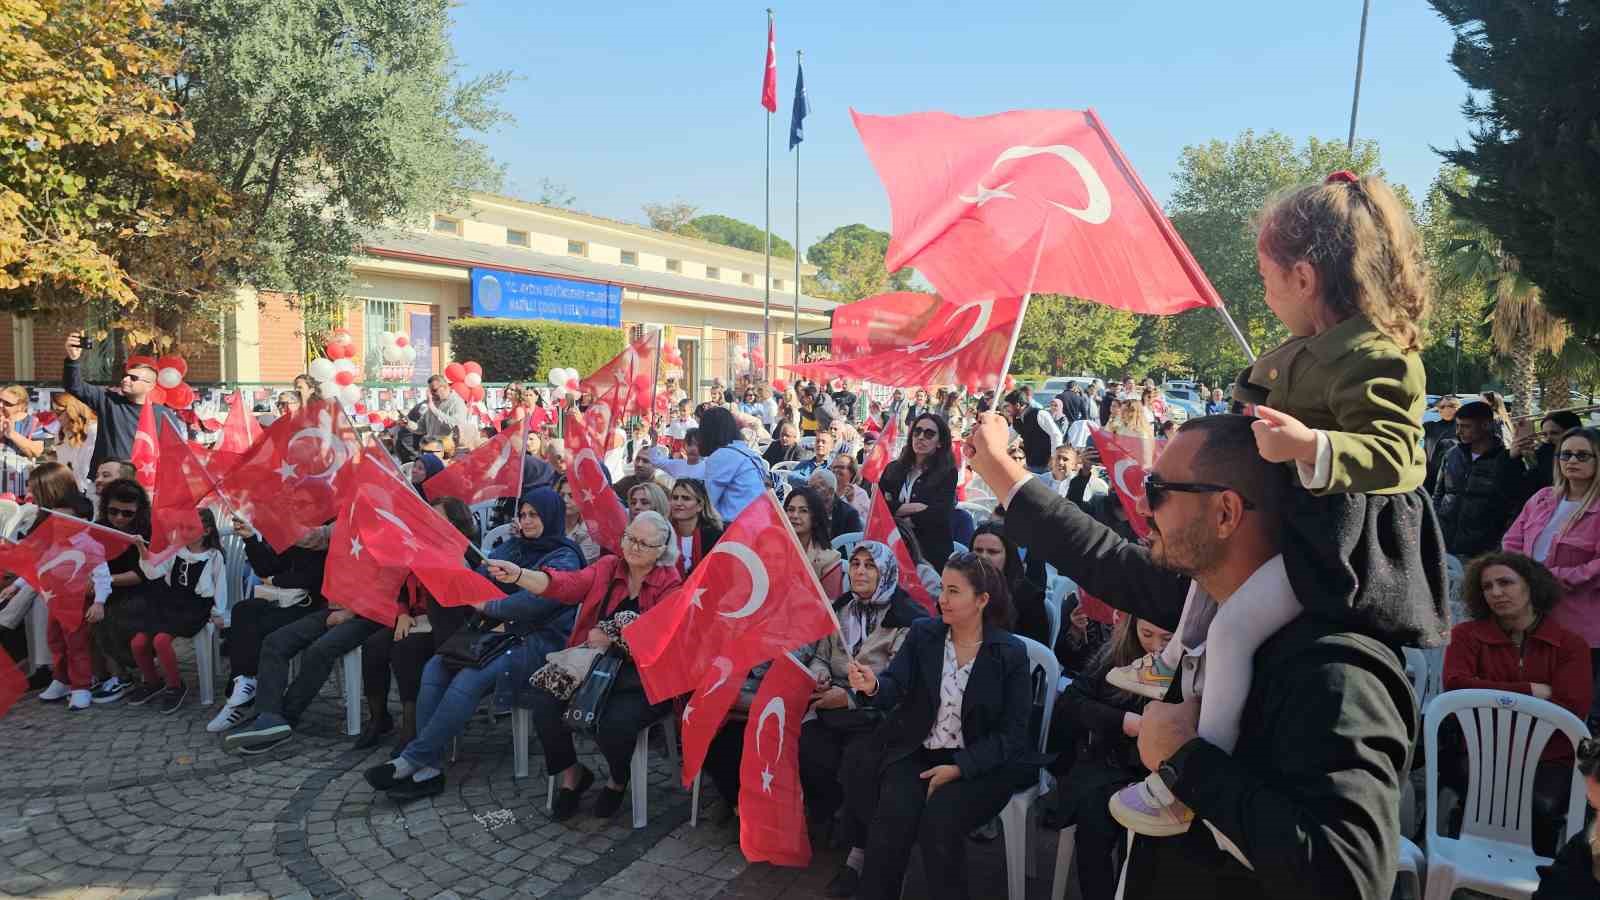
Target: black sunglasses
925,432
1155,490
1574,456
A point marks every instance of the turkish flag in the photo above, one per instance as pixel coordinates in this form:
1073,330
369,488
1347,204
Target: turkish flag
1127,458
961,343
601,508
772,807
882,452
881,527
491,471
181,484
627,383
705,711
353,577
289,481
769,80
880,323
241,430
1095,608
752,598
145,449
58,557
974,201
13,683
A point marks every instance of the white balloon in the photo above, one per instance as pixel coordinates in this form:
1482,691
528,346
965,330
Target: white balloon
392,355
350,394
387,339
321,368
344,365
408,354
328,390
169,378
555,377
474,379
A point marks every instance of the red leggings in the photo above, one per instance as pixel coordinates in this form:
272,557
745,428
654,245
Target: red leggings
147,649
69,655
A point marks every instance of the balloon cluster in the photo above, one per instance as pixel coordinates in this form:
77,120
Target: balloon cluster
374,417
564,381
170,389
466,379
396,348
335,373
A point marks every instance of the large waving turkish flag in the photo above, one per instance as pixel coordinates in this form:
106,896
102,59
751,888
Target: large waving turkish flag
959,343
974,200
491,471
58,558
598,504
289,481
881,527
181,482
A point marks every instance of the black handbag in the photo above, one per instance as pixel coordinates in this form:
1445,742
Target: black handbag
588,703
475,644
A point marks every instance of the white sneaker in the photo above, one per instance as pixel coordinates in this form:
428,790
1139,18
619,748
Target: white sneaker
244,691
229,717
80,700
54,693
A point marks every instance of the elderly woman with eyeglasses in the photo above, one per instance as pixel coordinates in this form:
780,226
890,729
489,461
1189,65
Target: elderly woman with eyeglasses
633,582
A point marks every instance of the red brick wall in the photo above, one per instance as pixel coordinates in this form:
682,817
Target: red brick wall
283,354
8,342
49,340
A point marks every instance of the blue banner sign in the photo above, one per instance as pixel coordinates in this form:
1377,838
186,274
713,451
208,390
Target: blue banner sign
511,295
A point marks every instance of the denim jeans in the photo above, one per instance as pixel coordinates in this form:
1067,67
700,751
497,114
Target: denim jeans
445,704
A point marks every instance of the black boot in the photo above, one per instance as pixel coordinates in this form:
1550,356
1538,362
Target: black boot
378,725
408,726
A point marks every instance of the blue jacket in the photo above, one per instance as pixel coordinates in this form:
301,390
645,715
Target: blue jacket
543,623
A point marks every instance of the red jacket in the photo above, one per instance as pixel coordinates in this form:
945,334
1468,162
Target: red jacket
1480,655
605,582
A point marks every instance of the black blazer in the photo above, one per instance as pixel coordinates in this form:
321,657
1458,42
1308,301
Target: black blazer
932,525
994,711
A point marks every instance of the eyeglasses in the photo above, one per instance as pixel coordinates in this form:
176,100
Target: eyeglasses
925,433
1574,456
631,542
1155,490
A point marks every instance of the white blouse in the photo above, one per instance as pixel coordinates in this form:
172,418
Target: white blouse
946,733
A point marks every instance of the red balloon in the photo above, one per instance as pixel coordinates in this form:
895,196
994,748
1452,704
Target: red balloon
455,372
361,409
477,394
373,418
172,362
461,389
472,366
779,385
333,351
344,378
180,397
401,340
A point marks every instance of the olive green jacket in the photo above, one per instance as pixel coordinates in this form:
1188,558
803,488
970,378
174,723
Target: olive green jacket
1356,384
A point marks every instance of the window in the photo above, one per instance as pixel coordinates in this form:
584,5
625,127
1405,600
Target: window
714,273
747,278
577,248
674,265
630,257
381,316
447,225
778,284
516,238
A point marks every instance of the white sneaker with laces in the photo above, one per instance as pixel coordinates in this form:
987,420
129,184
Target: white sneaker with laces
80,700
110,690
56,691
244,690
230,716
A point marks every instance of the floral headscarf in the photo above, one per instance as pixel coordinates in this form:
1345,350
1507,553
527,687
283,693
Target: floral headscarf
861,615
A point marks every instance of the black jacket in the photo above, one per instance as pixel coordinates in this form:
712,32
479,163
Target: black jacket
118,416
1311,792
1075,405
843,519
1570,876
932,525
994,710
1035,440
1437,439
777,453
296,568
1476,499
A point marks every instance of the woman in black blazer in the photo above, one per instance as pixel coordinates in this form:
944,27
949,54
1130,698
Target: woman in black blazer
929,467
956,743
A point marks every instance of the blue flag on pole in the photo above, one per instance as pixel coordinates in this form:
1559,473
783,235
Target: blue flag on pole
797,117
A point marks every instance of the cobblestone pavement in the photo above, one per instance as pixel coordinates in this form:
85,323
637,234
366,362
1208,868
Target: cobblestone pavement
120,801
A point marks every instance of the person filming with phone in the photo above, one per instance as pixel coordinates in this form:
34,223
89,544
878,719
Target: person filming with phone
117,409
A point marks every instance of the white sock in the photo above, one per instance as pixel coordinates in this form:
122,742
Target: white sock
857,856
425,773
402,766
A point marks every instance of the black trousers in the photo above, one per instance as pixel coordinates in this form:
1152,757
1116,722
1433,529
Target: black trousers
822,755
723,758
252,621
319,648
382,654
906,815
1086,799
626,711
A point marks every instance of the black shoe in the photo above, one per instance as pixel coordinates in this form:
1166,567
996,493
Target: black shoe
608,802
381,776
408,790
143,694
171,699
844,883
372,734
566,802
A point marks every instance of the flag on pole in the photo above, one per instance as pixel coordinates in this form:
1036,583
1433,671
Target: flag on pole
491,471
1127,458
145,449
181,483
705,711
881,527
772,806
769,80
799,110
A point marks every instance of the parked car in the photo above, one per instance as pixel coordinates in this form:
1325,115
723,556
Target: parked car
1055,386
1184,404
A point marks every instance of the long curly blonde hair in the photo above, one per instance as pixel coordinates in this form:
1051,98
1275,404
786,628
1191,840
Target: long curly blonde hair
1358,237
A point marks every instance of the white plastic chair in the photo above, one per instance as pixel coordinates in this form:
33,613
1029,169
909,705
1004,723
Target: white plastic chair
846,543
484,513
1413,865
959,547
496,536
1505,735
349,675
978,511
38,633
1016,820
785,466
638,768
1417,670
205,663
1066,846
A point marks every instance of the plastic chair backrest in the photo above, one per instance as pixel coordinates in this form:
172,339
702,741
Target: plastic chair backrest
785,466
496,536
846,543
1505,735
962,526
484,513
959,547
1417,669
1043,658
236,566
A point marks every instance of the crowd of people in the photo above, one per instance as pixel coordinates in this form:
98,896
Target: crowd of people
1300,533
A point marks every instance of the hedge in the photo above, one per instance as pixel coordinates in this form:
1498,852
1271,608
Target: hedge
517,350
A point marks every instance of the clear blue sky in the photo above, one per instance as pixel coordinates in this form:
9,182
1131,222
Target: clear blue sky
628,103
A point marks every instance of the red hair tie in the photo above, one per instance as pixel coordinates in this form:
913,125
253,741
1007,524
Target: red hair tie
1344,175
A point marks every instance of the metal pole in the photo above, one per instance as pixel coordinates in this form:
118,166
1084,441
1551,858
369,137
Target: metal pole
766,301
1361,52
798,55
1455,373
1249,355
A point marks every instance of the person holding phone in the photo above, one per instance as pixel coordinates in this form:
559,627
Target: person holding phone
116,409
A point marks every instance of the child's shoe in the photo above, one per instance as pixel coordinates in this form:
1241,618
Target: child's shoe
1147,676
1138,808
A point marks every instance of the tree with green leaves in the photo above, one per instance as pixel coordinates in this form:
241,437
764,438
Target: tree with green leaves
1067,336
674,217
849,261
328,120
1535,150
731,232
1457,353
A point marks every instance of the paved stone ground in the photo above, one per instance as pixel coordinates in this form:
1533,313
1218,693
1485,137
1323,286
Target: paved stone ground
120,801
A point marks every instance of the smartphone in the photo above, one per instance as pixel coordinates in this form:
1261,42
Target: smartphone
85,341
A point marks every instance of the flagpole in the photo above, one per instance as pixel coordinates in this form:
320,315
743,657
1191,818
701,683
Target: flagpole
798,59
766,301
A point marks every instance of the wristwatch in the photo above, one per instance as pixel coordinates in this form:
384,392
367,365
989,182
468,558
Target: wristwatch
1168,776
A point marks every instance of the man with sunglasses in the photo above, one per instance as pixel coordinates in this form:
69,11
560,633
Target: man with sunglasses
117,409
1307,803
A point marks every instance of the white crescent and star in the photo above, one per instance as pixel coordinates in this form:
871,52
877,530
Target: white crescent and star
75,557
774,707
326,439
1119,471
980,324
499,462
1096,210
411,537
758,578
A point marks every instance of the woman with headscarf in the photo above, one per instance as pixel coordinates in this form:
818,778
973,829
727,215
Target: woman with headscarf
425,466
875,615
448,696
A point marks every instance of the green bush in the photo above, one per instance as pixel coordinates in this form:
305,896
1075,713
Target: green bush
526,350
